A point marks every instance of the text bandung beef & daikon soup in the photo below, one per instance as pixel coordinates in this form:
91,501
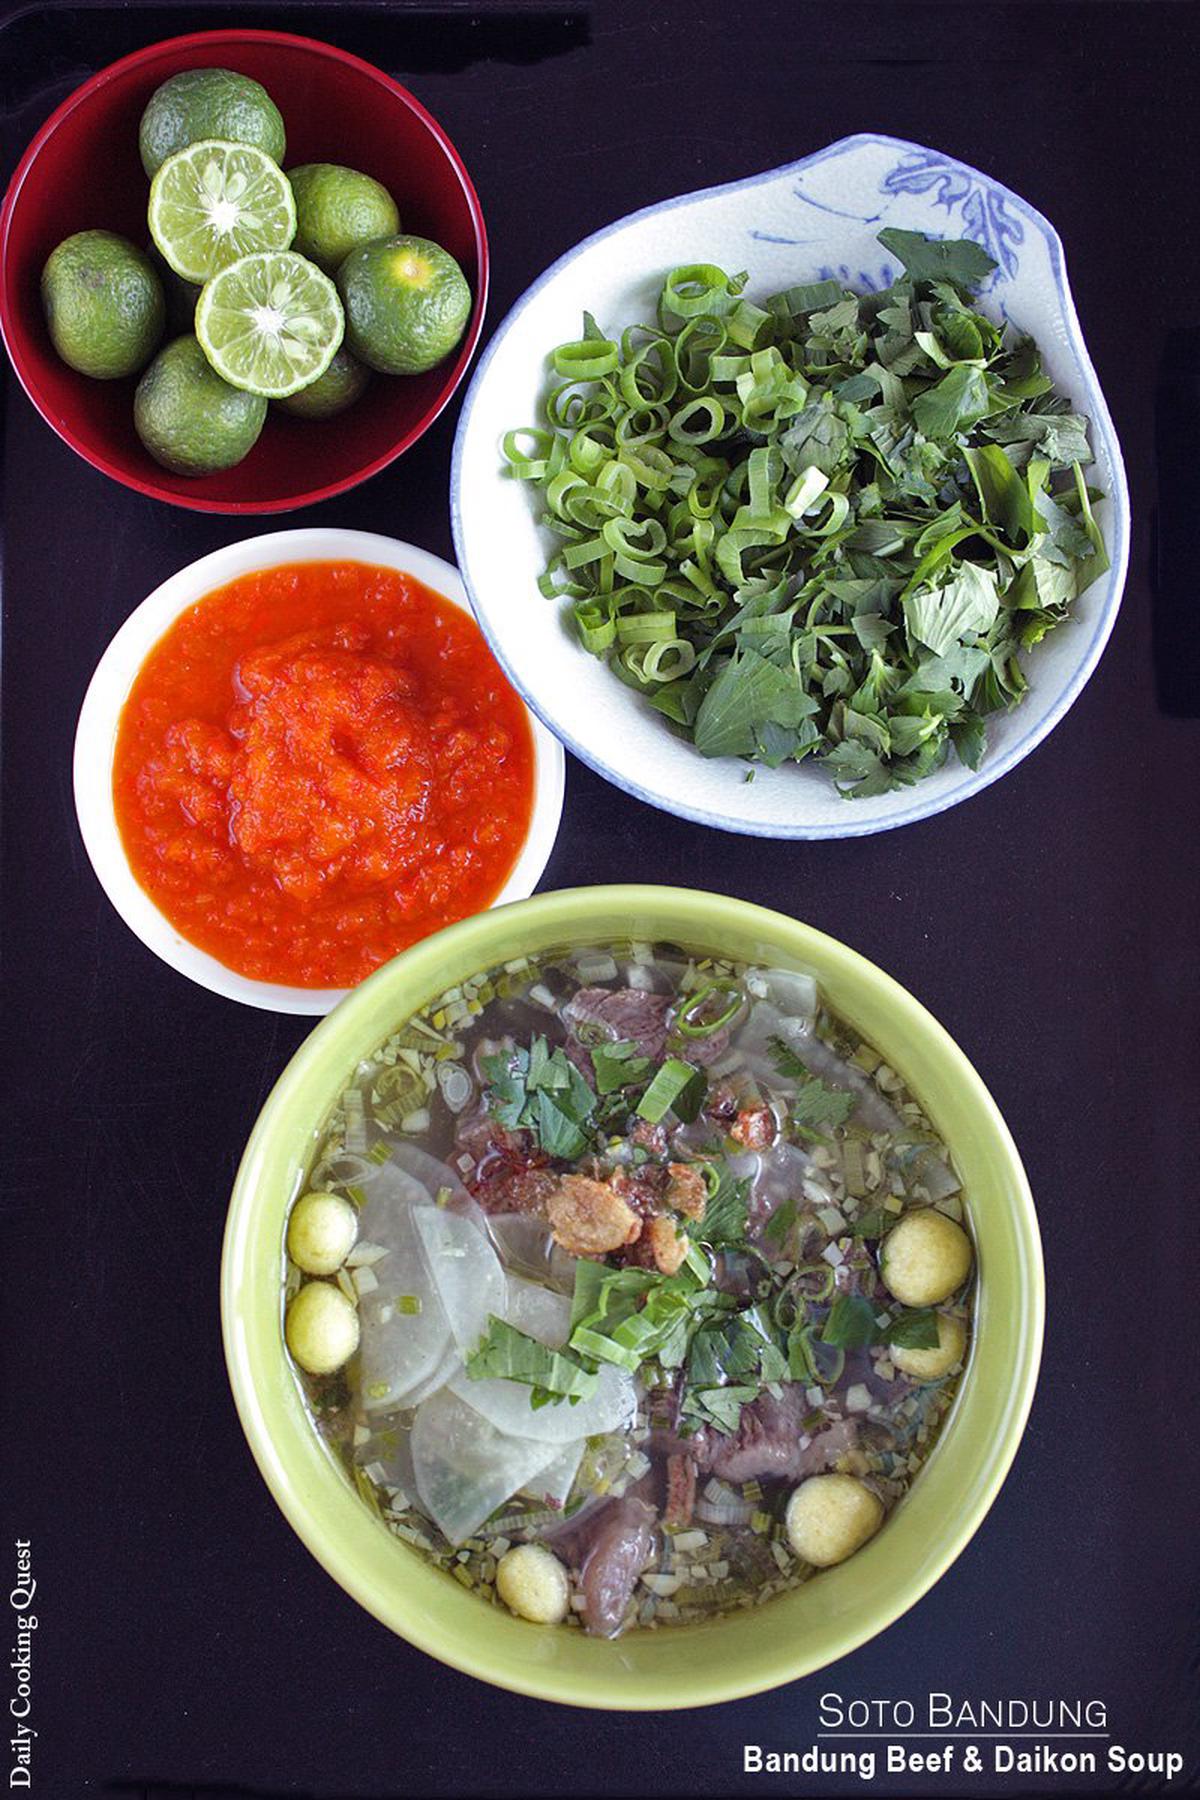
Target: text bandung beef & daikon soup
630,1285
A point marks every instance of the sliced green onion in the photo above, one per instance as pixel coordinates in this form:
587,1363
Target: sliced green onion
669,660
587,359
747,323
596,624
697,288
836,510
786,479
689,1022
808,486
646,627
528,465
699,422
673,1086
605,1349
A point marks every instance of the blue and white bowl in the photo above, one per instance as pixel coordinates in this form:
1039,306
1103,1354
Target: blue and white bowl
810,219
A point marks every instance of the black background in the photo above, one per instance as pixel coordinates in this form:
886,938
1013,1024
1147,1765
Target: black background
187,1642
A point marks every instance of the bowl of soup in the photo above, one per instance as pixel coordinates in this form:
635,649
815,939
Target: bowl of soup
632,1297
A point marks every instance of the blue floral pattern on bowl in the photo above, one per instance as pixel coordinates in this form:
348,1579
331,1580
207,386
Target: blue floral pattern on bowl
983,208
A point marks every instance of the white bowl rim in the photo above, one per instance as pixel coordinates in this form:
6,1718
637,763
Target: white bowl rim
1102,424
115,673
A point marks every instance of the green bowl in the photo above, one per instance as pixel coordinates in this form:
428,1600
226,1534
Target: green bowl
748,1651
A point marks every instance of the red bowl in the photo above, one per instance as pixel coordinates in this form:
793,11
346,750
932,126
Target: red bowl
82,170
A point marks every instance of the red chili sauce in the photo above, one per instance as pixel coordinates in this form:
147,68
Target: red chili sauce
318,765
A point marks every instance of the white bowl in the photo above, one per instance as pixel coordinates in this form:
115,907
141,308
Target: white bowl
808,220
96,736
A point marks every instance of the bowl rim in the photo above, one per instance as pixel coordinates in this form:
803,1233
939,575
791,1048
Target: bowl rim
118,668
996,766
13,335
561,915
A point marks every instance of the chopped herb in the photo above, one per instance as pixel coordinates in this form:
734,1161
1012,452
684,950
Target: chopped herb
719,1406
824,527
817,1106
873,1222
618,1066
724,1220
961,261
851,1323
541,1091
913,1330
786,1060
781,1221
508,1354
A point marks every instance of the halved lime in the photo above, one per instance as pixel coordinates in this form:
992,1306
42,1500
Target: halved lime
270,323
215,202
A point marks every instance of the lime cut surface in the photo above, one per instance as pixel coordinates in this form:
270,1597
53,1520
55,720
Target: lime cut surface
270,323
215,202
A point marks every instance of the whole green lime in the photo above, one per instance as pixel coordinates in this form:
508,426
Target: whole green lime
407,304
336,210
104,304
332,392
191,421
209,103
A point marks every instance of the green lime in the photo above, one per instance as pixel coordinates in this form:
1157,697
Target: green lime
188,418
332,392
104,304
407,303
336,210
214,202
270,323
209,103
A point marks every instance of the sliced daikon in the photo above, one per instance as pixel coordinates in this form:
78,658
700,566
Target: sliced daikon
436,1177
389,1199
507,1405
449,1366
552,1485
405,1332
540,1312
466,1271
464,1468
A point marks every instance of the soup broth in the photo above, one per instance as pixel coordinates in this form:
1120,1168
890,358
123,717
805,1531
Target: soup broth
630,1285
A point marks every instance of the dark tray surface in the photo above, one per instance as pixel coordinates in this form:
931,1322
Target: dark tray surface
187,1639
